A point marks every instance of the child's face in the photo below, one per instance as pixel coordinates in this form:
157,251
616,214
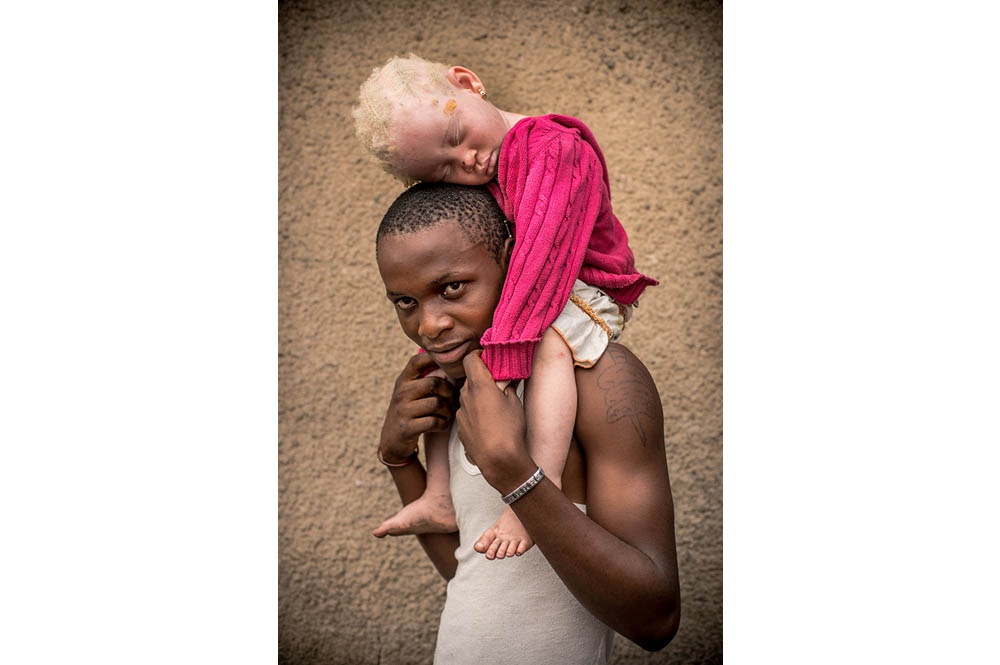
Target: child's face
444,289
452,137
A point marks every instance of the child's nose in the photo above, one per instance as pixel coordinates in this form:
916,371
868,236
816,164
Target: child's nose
469,160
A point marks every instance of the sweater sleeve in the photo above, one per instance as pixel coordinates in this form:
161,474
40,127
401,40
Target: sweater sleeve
554,190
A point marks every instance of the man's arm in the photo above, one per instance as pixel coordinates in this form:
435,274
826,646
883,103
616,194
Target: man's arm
619,560
419,405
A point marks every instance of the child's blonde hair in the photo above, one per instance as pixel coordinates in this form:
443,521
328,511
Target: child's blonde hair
401,77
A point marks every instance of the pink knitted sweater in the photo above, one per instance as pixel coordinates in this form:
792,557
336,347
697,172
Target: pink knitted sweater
552,182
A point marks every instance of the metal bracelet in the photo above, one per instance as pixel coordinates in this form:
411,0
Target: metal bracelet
525,487
409,460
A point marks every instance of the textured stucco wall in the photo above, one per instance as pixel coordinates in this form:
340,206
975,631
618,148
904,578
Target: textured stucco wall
647,78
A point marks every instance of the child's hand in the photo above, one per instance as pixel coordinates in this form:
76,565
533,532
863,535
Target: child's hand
419,404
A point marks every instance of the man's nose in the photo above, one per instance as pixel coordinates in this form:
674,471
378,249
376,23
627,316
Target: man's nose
433,322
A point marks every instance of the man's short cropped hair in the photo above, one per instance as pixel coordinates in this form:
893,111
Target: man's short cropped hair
428,204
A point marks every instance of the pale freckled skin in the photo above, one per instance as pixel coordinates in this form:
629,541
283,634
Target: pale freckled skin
459,146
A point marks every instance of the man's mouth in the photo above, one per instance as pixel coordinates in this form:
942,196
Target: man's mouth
448,354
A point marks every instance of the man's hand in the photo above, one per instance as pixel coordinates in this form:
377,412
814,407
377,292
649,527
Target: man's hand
419,404
491,426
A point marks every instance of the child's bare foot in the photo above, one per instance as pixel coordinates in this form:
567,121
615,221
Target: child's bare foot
505,538
428,514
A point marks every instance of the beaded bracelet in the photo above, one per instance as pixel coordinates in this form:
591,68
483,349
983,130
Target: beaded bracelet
525,487
409,461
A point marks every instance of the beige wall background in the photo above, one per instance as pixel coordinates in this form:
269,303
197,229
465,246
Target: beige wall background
646,76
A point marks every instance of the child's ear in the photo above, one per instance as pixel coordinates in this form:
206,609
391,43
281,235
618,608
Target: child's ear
465,79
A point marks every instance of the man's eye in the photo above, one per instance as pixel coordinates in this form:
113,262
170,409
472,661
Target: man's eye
404,303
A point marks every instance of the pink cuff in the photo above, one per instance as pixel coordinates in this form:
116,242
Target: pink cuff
510,361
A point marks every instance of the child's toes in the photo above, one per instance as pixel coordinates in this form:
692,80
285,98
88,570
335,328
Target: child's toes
491,553
488,538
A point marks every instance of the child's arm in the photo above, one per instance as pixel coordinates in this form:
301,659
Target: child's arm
556,194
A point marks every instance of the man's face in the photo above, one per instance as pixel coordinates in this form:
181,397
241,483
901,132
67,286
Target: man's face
444,289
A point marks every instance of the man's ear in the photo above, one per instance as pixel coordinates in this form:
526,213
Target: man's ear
465,79
505,253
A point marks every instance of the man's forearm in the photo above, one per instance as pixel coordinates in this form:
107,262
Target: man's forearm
617,582
619,559
411,481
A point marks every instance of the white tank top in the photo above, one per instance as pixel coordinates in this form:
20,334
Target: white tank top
513,610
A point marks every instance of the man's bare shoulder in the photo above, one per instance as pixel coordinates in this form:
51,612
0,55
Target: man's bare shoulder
618,399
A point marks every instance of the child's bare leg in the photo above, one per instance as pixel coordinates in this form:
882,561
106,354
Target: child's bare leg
550,412
434,511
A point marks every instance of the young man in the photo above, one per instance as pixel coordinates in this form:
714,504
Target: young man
605,557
